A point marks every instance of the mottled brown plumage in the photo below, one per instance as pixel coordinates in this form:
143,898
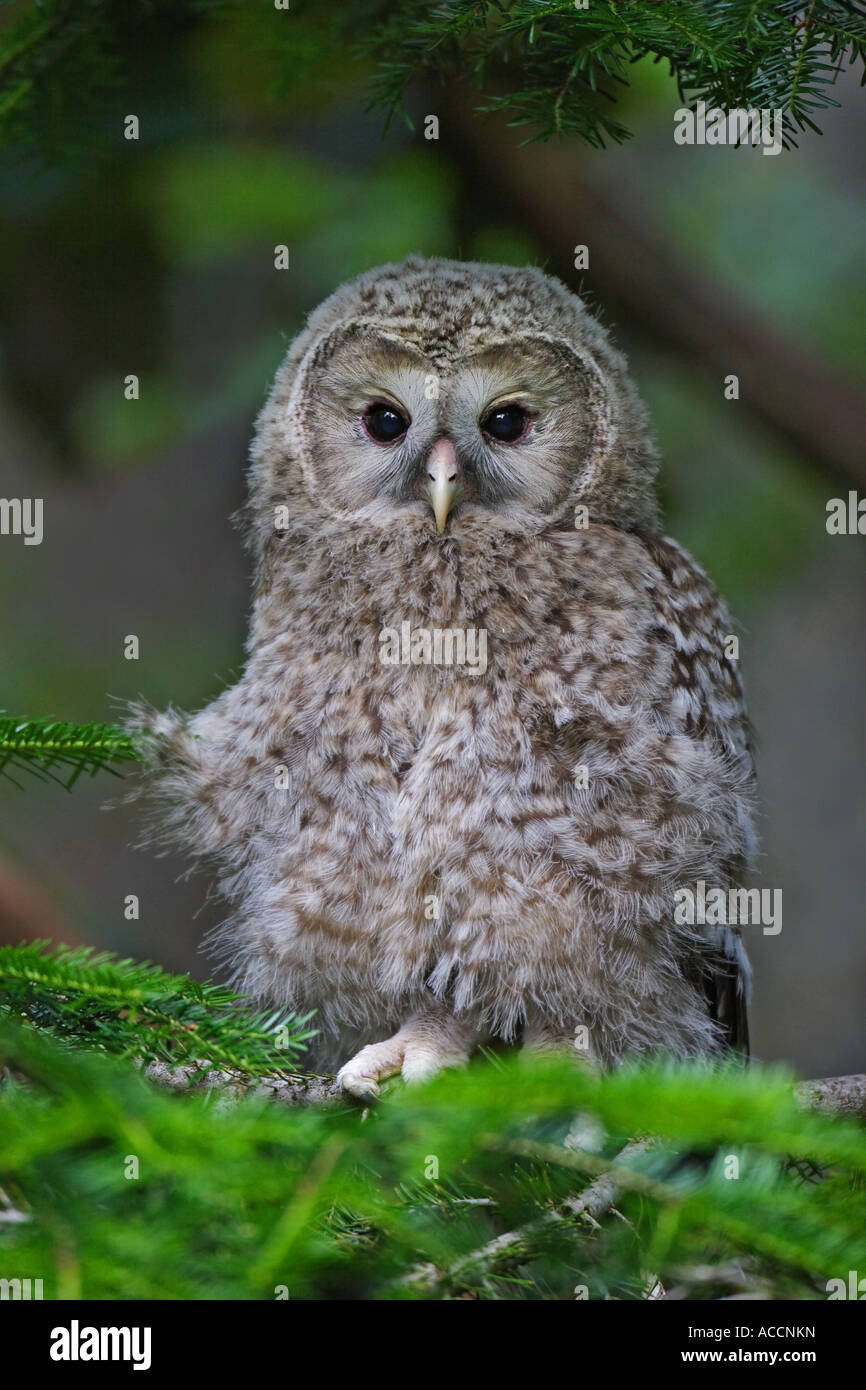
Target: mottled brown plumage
420,851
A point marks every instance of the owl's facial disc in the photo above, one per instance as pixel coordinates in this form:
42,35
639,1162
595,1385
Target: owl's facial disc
391,433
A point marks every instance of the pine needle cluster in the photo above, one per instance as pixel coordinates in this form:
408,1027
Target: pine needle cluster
58,751
136,1010
515,1179
551,66
558,69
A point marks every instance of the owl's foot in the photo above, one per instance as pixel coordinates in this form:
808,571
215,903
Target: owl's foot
423,1046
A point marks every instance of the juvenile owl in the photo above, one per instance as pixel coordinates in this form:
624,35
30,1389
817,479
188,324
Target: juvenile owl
487,727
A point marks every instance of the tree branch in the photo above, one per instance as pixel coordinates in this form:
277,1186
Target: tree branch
513,1247
641,282
837,1095
840,1095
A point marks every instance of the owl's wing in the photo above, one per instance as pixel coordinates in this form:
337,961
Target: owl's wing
693,620
637,678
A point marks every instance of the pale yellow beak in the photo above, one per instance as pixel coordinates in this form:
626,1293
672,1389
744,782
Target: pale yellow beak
443,480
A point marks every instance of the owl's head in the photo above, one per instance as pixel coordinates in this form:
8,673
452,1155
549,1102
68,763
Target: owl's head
436,395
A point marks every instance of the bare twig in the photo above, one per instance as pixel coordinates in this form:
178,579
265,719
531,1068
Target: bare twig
230,1087
839,1095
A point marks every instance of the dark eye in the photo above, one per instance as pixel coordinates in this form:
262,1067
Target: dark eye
507,423
384,423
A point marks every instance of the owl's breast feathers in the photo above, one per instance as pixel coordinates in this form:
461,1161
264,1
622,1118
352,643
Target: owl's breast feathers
513,837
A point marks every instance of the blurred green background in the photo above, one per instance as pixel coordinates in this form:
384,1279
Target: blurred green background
157,258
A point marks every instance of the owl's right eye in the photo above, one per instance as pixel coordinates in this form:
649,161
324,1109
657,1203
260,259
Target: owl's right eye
385,423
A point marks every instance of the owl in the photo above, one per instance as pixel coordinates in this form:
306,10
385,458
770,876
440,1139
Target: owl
486,728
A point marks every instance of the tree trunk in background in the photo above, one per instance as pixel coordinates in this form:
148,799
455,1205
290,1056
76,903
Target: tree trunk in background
640,281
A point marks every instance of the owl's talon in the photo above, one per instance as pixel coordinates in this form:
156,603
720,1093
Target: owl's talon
361,1088
362,1073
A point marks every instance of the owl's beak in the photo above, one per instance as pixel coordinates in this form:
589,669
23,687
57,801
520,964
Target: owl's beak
443,480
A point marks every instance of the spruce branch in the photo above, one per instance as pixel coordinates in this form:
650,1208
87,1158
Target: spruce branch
42,746
233,1199
552,68
508,1250
136,1010
558,70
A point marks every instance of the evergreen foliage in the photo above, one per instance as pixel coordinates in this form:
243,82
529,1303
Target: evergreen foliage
47,748
558,69
550,66
465,1187
138,1010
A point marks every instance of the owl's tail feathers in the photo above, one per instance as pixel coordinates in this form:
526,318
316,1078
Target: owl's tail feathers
180,782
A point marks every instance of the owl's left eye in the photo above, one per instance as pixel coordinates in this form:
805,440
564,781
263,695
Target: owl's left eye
506,423
384,423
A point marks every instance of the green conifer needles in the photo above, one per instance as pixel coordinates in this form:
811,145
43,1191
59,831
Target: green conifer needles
60,751
137,1010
